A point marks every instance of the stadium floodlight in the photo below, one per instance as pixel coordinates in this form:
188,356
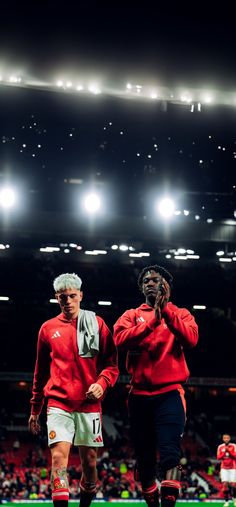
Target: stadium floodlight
166,207
207,99
94,88
186,98
123,248
140,254
153,94
50,249
7,197
13,79
92,203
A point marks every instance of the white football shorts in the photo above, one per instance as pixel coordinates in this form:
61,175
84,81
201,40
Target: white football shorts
74,427
227,475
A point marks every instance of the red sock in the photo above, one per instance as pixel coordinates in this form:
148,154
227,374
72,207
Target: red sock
169,493
151,495
87,492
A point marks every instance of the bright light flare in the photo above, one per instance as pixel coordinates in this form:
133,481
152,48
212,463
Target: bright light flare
94,88
166,207
14,79
208,99
185,97
7,197
153,95
92,203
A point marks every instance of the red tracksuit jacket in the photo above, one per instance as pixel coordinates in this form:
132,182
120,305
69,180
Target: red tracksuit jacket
227,455
155,357
62,376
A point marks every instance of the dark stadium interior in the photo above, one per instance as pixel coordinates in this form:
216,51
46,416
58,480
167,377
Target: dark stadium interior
49,212
58,142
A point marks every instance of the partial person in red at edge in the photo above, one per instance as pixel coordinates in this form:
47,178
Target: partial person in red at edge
226,454
76,364
154,336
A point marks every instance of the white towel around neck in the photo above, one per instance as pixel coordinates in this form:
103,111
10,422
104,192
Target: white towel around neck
87,334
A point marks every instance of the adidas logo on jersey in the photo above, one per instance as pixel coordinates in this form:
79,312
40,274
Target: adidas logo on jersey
56,335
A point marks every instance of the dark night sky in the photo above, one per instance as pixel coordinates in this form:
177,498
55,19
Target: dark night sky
169,43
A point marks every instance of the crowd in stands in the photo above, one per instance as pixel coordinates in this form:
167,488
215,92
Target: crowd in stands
25,460
25,470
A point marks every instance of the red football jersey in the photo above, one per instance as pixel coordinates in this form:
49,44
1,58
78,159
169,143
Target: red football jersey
226,454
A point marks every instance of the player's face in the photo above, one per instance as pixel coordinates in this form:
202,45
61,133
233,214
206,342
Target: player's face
69,301
150,284
226,439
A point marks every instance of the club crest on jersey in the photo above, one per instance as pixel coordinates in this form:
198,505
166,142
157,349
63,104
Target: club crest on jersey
52,435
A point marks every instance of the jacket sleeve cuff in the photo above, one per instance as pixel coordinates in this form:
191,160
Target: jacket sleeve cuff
35,410
103,383
37,407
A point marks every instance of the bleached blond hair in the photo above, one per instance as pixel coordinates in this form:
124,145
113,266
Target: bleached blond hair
67,281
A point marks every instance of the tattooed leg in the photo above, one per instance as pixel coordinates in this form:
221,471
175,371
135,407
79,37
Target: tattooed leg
60,487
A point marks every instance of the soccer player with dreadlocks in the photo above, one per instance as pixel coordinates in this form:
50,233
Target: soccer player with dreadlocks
154,336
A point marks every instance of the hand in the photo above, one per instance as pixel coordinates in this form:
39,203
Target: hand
34,425
95,392
162,298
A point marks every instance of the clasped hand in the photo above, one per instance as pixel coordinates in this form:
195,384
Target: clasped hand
162,298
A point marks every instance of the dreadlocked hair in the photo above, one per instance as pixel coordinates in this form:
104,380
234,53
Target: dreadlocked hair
158,269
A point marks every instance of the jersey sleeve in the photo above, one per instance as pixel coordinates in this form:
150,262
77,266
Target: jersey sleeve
41,373
220,452
128,334
182,324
